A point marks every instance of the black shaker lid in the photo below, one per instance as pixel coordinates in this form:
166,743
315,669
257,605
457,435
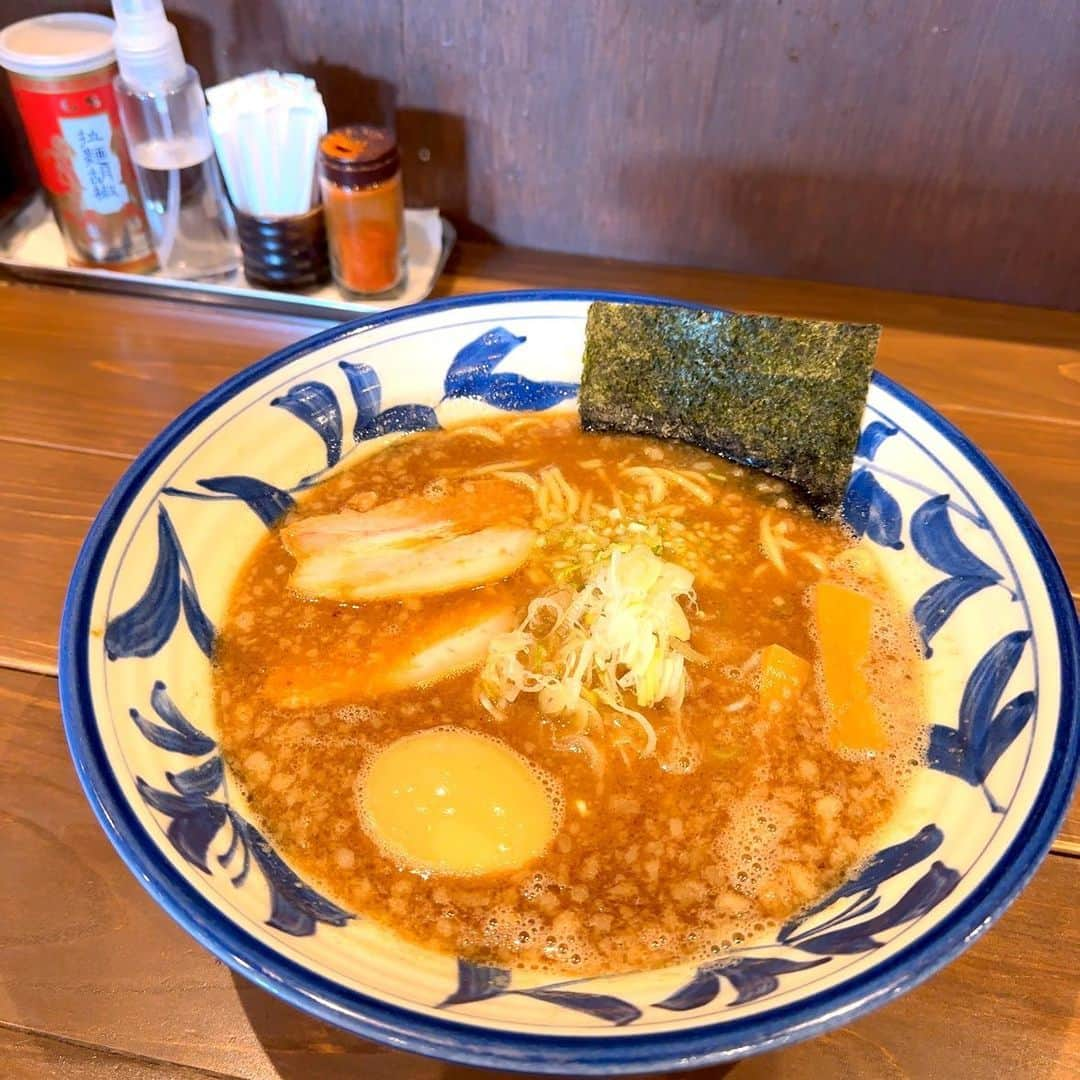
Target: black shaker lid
359,155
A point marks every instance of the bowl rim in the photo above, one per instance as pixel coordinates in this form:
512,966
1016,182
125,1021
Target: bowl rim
468,1043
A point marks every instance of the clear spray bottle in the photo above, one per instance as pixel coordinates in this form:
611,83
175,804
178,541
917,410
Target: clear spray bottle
163,113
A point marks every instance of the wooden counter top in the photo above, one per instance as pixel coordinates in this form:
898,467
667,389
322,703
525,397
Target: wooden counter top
95,980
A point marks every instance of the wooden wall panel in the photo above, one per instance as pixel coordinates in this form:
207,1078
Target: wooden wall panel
925,145
352,48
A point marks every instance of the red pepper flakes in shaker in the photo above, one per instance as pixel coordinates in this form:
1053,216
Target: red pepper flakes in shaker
360,177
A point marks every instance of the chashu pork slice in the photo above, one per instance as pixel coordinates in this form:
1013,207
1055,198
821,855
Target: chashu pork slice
349,575
430,649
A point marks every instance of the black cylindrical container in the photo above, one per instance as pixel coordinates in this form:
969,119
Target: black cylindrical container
284,252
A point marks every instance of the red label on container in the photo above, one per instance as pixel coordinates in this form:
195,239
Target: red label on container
78,144
73,125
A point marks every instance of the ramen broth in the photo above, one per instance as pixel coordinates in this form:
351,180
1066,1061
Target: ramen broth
646,834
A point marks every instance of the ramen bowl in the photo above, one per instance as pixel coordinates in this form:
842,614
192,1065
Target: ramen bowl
151,584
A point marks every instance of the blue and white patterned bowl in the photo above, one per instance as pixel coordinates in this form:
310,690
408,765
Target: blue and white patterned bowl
151,583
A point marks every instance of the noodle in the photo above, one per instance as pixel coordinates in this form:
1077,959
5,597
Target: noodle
769,544
477,431
499,466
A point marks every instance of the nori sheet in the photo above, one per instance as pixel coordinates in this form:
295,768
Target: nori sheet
782,395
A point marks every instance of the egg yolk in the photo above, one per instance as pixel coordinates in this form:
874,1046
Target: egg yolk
451,801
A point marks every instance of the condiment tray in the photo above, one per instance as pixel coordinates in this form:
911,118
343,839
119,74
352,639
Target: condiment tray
31,249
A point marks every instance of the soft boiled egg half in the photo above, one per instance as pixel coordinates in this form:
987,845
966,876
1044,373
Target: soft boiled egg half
451,801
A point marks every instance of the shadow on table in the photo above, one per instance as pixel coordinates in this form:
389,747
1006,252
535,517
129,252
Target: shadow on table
302,1048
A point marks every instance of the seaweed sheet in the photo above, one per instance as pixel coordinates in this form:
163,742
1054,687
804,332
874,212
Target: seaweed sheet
782,395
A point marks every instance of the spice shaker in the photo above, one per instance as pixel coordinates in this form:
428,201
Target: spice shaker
61,69
360,177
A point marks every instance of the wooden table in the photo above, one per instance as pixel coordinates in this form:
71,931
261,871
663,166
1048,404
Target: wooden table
95,980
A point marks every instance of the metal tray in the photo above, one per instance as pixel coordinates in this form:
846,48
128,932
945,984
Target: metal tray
31,249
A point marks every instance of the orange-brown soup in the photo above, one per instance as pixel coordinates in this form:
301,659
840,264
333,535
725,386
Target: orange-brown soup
744,804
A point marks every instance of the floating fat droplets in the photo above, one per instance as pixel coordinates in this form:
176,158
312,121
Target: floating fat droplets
451,801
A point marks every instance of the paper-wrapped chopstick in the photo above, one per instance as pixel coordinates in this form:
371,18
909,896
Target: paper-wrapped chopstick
266,129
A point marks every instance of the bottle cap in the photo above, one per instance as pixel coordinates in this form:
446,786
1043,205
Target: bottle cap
359,155
57,45
147,45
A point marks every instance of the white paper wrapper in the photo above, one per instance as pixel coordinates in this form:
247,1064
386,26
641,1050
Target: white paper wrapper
266,128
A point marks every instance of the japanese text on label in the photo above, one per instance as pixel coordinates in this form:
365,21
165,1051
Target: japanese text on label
95,164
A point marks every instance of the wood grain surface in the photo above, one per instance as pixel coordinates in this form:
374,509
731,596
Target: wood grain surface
31,1055
113,969
49,498
928,145
109,985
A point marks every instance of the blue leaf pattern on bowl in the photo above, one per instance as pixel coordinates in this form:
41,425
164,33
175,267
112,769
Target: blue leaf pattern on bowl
371,419
936,541
934,608
295,908
469,371
178,735
846,932
201,779
871,511
971,750
366,392
882,866
480,982
510,391
400,418
871,437
751,977
268,503
316,404
472,374
202,629
477,982
925,894
868,508
145,627
195,819
603,1006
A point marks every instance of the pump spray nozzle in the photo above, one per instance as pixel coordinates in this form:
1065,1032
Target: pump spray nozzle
147,46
